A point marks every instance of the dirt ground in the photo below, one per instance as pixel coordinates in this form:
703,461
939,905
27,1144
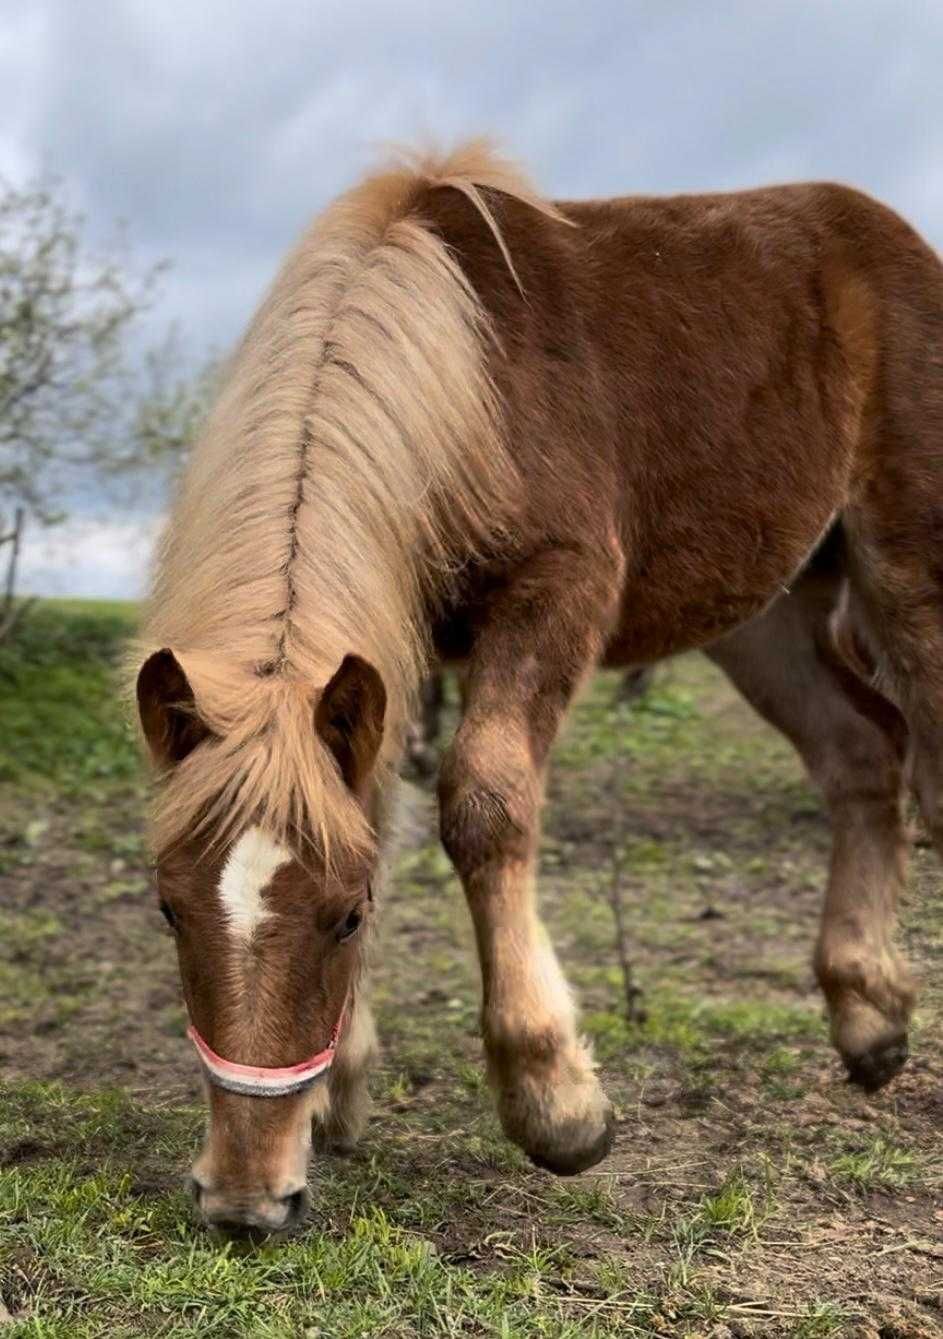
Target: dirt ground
751,1190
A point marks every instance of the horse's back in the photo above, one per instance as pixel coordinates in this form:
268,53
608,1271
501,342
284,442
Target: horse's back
701,373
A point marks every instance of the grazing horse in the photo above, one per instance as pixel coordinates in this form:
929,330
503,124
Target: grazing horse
468,425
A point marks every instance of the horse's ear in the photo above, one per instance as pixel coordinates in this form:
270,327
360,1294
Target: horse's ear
349,719
167,709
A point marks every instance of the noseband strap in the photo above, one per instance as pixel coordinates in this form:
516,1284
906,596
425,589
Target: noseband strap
257,1080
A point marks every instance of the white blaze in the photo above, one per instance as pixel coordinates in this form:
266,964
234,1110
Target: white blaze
249,869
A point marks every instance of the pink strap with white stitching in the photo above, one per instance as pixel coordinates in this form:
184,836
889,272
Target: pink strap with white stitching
259,1081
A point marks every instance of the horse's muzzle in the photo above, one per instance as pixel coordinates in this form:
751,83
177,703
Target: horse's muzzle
252,1217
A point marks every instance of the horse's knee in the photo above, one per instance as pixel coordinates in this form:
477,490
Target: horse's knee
488,799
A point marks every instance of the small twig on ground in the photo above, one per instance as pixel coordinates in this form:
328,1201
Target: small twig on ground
634,1011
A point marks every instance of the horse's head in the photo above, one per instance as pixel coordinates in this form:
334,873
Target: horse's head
270,939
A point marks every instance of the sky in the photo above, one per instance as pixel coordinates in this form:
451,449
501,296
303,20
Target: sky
213,131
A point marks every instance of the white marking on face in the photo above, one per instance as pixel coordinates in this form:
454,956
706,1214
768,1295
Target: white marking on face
250,867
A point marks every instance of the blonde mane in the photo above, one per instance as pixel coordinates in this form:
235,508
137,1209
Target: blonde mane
353,463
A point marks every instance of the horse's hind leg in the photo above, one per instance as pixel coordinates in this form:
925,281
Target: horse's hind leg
894,520
894,621
852,741
542,635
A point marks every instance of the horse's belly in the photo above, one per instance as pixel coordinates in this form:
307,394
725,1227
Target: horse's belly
682,598
643,639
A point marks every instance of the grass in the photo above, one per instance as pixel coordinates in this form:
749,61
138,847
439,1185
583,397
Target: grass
109,1247
87,1245
742,1189
61,728
821,1319
877,1165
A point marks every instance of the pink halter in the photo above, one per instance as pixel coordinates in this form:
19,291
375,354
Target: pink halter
257,1080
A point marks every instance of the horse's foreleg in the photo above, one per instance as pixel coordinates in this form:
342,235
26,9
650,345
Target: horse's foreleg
541,637
347,1107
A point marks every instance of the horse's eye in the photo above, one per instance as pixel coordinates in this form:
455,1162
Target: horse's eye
350,926
167,911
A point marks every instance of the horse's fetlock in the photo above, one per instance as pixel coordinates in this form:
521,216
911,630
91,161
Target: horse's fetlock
870,996
878,976
342,1124
511,1043
842,970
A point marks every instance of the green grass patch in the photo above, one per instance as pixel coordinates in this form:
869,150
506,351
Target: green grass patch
22,931
735,1209
62,722
86,1252
877,1165
821,1320
693,1027
603,726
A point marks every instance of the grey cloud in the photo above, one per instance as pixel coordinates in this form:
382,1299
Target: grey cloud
217,129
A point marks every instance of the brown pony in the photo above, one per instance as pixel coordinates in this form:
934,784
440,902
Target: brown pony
468,425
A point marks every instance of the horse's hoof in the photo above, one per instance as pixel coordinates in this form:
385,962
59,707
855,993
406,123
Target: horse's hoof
338,1143
341,1147
876,1067
568,1157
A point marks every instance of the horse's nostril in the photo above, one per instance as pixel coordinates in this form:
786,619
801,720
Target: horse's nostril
296,1205
196,1191
251,1219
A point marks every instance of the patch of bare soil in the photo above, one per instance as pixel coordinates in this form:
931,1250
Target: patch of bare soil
95,993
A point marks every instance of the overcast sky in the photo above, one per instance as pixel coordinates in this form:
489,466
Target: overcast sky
215,128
